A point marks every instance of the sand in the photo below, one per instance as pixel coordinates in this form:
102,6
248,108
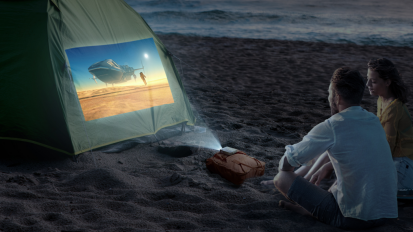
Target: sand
255,95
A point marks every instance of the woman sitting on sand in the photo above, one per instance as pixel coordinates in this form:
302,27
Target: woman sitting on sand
383,80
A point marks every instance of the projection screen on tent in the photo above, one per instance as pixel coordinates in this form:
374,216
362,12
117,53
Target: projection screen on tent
118,78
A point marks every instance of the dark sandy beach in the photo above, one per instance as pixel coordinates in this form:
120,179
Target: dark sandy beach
255,95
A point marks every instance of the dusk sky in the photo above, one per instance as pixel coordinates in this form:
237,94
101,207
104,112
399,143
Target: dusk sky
129,53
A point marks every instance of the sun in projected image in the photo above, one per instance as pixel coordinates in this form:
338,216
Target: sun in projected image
118,78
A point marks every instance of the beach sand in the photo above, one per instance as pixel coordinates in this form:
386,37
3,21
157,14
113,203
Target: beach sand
255,95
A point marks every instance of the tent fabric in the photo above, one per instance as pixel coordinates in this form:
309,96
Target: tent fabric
39,102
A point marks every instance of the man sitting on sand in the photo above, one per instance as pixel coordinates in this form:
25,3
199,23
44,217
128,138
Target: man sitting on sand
364,194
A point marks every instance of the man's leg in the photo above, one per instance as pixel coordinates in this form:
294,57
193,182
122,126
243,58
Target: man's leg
294,207
319,202
283,181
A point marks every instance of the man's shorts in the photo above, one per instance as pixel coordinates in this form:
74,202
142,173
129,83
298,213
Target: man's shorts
323,206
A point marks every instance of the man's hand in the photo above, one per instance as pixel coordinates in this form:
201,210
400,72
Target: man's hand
284,165
322,173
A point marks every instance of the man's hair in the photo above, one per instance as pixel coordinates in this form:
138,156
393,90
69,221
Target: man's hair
349,84
387,71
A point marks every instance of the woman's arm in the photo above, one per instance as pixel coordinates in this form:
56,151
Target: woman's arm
378,106
390,124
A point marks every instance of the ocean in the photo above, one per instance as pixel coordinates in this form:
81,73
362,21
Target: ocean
367,22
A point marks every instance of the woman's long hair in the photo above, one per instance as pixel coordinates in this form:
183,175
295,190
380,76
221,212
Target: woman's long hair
387,71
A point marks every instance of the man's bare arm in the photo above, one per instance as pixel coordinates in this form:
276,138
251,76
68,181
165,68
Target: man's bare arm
284,165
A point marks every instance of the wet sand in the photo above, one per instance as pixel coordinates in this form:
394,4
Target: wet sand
255,95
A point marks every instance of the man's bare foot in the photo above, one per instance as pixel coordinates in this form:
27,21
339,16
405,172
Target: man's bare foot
267,182
295,208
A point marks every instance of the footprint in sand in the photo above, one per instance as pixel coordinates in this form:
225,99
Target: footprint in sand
174,179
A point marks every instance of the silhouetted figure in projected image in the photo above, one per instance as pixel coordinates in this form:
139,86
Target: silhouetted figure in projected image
143,77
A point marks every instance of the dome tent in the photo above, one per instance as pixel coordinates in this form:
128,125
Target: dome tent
50,95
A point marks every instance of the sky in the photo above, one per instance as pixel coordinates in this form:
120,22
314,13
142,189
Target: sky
129,53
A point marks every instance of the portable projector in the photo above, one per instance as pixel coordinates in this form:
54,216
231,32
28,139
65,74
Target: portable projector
228,150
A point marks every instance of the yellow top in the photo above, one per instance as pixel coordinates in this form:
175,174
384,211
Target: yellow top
397,124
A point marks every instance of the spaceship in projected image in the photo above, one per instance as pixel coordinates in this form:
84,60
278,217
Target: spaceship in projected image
109,72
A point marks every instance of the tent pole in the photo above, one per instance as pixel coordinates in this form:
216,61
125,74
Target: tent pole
183,128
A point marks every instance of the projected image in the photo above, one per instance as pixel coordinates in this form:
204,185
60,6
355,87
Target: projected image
118,78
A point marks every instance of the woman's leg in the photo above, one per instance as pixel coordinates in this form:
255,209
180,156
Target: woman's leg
303,170
308,171
323,159
404,166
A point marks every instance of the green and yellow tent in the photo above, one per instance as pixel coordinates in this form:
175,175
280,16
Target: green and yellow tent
80,74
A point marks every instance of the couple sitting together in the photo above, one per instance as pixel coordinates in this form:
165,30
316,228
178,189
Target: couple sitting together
371,155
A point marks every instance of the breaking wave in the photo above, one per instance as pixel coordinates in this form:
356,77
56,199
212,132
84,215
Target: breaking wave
266,21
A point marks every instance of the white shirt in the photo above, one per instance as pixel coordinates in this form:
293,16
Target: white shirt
357,147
